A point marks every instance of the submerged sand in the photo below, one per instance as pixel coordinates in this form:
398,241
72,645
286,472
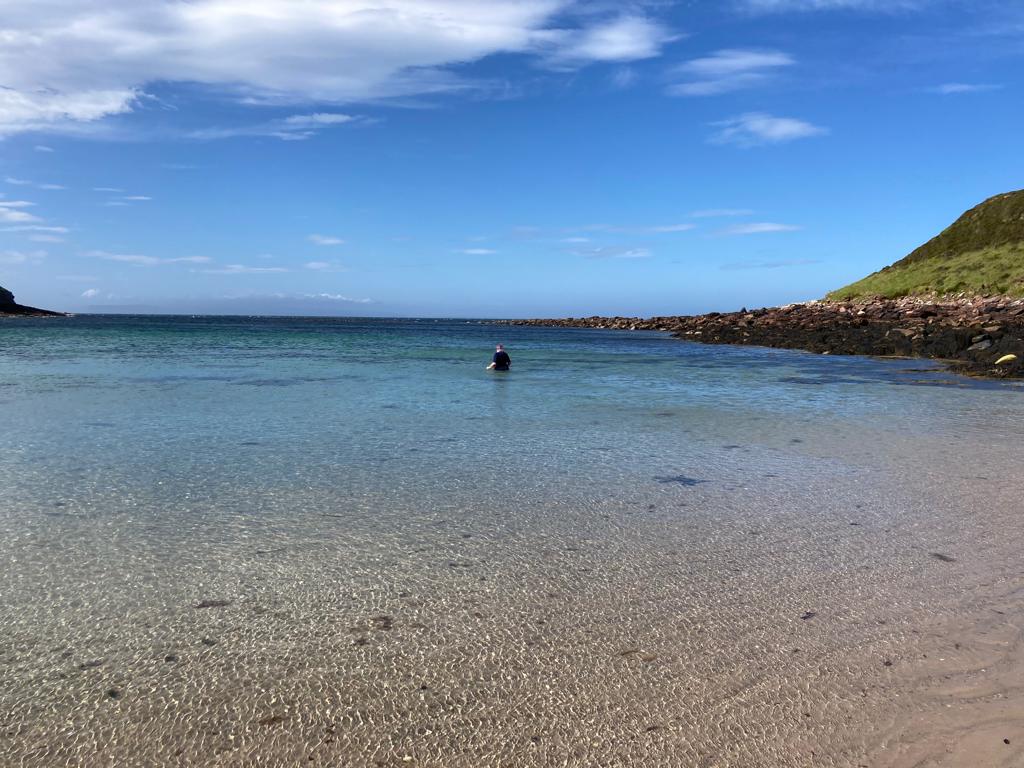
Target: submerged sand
865,614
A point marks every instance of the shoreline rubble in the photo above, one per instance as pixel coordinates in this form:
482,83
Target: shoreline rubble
968,333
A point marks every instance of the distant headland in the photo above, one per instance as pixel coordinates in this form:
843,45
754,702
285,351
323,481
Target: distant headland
957,298
10,308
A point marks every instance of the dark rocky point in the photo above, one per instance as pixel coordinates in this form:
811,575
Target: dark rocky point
10,308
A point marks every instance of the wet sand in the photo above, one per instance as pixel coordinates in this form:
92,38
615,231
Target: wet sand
850,621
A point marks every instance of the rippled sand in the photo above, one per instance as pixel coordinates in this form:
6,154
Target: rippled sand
248,542
853,617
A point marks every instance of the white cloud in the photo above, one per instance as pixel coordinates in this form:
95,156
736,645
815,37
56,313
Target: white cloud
756,128
318,118
775,6
324,266
33,228
730,69
106,189
947,89
626,38
42,148
294,128
31,106
15,258
624,77
146,261
337,297
46,238
26,183
664,228
477,251
242,269
758,228
712,213
137,197
325,240
12,213
612,252
91,293
67,63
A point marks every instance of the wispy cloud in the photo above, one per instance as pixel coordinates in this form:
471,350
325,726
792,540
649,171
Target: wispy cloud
770,264
26,183
730,69
12,212
16,258
758,228
146,261
107,189
628,37
46,238
324,266
624,77
90,293
780,6
477,251
243,269
713,213
33,228
612,252
947,89
668,228
336,297
42,148
294,128
757,128
325,240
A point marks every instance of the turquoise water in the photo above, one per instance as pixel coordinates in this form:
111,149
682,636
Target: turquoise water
609,534
198,405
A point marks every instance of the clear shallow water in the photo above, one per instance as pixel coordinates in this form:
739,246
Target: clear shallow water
604,555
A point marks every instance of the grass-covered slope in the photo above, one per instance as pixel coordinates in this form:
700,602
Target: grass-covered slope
981,253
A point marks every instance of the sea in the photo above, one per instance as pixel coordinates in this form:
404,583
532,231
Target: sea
250,541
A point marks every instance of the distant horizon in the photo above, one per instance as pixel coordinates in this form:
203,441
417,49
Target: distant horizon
507,158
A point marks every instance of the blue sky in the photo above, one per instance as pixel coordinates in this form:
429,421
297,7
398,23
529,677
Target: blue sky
488,157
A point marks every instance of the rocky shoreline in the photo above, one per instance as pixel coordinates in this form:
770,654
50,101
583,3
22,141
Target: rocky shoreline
10,308
979,336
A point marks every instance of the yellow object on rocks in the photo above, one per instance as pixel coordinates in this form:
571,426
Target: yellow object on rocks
1006,359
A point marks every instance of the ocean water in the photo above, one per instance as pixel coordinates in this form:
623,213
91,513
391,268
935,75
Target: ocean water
283,541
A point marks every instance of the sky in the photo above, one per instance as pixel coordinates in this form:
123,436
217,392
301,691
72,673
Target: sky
490,158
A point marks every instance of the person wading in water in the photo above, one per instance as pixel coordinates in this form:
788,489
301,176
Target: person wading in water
501,361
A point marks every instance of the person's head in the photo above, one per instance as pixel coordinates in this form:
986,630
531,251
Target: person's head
500,348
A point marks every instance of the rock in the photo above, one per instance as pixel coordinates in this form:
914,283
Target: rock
8,306
953,329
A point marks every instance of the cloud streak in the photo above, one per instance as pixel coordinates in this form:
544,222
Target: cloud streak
758,228
727,70
758,128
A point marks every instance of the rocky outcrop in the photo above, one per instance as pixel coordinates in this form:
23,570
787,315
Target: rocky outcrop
970,333
9,307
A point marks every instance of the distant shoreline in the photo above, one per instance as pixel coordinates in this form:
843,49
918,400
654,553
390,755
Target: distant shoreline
977,336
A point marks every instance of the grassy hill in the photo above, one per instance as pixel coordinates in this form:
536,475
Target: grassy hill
982,253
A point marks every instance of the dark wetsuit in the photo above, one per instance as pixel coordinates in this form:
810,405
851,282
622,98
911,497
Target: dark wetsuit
502,361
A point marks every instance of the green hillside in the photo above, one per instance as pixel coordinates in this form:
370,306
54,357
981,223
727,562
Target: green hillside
982,253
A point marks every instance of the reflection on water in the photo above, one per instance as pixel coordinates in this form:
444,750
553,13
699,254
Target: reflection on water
270,541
